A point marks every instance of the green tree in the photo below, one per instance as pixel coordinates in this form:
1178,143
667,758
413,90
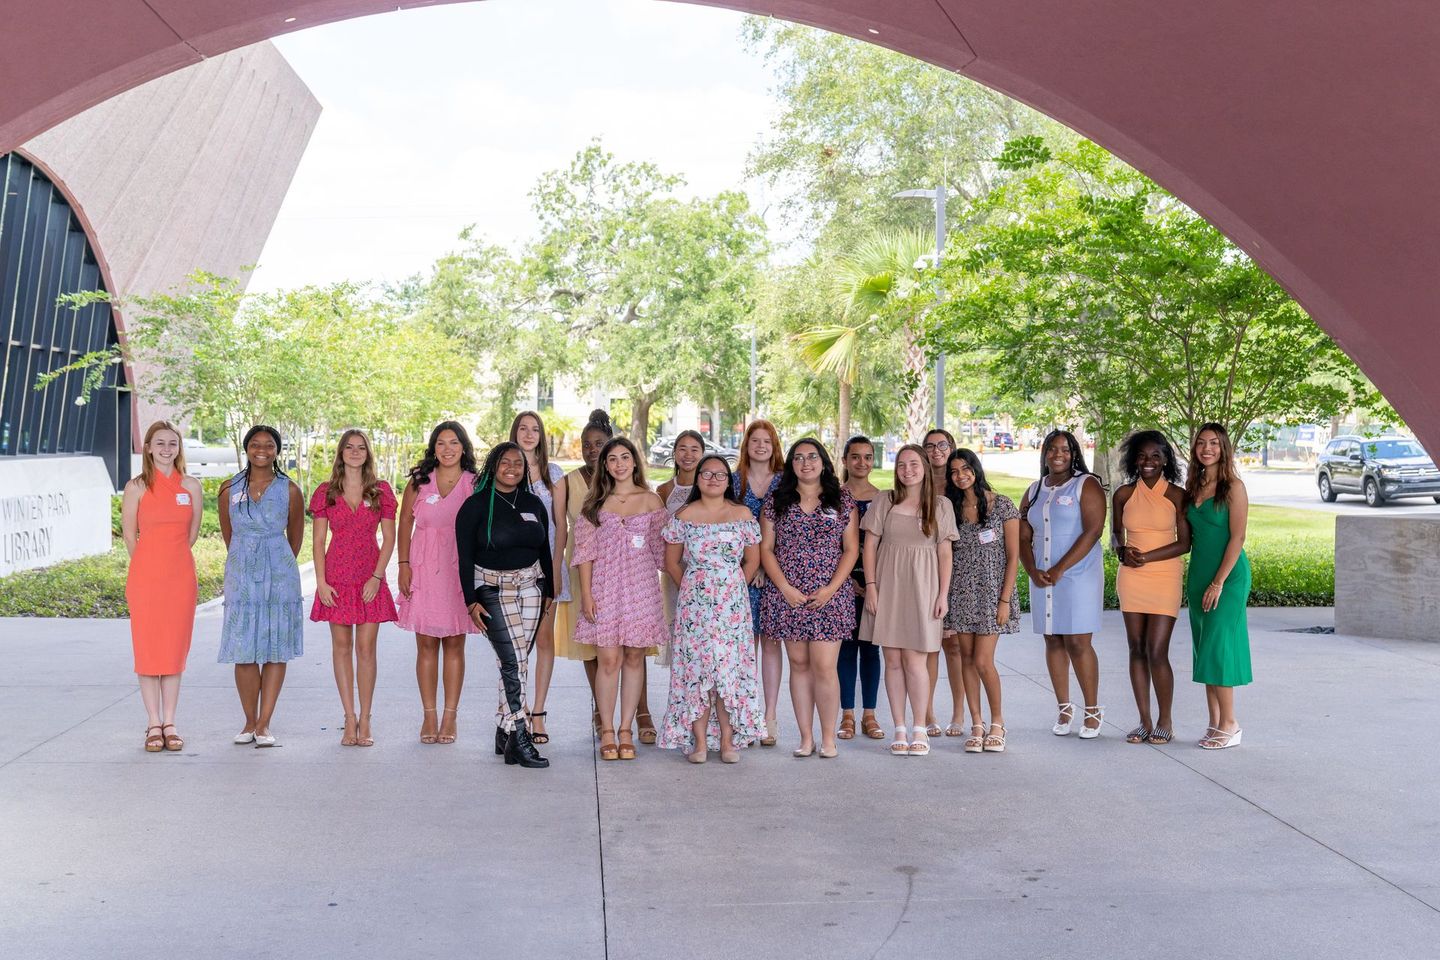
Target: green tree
858,123
1091,286
652,289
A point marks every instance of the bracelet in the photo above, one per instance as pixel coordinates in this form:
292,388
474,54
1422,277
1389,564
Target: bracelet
1004,599
376,576
406,562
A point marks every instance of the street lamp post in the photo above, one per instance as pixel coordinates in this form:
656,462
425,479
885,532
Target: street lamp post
937,195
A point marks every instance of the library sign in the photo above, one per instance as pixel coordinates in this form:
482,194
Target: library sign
52,509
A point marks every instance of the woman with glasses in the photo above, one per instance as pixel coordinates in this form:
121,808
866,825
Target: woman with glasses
712,550
938,446
809,539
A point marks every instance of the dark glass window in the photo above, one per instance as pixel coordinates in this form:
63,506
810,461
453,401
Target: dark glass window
44,254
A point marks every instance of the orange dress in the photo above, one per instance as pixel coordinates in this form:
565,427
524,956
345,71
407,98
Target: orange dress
1149,520
161,586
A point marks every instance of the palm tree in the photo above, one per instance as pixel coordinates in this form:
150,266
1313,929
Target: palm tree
876,284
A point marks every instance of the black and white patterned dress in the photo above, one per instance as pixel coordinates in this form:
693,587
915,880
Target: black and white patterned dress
979,573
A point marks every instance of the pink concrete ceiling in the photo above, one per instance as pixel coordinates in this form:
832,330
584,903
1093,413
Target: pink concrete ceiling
1307,132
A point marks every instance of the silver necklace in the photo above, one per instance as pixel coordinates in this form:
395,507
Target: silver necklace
512,501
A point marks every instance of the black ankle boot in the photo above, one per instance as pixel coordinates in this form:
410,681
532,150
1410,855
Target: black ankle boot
501,738
520,749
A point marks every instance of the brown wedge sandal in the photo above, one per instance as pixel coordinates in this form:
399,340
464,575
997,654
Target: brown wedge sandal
627,746
608,751
648,733
154,742
173,741
847,726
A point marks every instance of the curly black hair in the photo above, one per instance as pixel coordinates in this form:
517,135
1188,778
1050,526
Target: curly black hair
1130,455
787,491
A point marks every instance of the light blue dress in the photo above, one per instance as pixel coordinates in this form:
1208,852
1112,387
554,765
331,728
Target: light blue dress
547,497
264,615
1073,605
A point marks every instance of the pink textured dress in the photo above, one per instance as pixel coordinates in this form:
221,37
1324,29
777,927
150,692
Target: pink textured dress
627,553
436,605
351,556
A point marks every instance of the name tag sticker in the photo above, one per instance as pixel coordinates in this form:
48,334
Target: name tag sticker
638,541
183,499
1065,501
529,518
987,536
236,497
433,498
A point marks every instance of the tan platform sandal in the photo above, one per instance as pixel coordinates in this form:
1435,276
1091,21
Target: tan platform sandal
154,742
173,741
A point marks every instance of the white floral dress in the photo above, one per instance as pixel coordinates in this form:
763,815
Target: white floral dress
714,638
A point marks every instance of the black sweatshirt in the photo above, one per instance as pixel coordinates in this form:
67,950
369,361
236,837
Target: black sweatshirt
519,536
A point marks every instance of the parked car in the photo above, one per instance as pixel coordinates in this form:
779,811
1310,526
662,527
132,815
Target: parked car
1377,468
662,452
209,461
1001,440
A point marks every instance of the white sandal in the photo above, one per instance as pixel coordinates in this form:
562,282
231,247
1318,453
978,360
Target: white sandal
1222,740
920,748
1067,711
1096,713
899,747
975,743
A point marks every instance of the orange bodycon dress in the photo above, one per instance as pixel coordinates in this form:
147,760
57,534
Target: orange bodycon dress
160,587
1149,521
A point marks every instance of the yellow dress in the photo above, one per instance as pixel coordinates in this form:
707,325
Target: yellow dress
566,613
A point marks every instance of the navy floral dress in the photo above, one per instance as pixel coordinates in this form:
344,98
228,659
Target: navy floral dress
808,547
755,504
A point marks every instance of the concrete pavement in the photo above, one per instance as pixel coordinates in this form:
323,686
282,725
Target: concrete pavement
1315,838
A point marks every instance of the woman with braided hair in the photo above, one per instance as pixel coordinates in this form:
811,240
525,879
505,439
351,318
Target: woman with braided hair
502,538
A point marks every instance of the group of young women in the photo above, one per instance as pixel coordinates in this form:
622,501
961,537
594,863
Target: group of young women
722,575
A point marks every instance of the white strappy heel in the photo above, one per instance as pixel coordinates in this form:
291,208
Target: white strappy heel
1067,711
1096,713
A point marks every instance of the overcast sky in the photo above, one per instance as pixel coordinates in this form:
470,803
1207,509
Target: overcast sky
441,117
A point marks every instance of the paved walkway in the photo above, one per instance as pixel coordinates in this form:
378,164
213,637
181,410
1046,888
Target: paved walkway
1315,839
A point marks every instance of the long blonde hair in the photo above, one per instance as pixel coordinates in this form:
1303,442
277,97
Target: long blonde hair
927,489
602,484
369,482
147,461
542,449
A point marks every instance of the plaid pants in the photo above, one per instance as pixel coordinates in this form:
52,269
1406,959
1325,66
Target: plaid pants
512,601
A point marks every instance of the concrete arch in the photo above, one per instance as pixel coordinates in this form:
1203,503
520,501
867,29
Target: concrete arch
1304,132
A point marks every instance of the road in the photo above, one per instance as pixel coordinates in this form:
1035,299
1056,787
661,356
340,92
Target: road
1276,487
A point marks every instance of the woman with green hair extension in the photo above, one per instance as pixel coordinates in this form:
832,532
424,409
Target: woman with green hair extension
503,543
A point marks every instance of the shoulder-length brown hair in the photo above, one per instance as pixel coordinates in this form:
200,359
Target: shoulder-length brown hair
542,449
927,489
370,483
602,484
1196,477
147,462
777,456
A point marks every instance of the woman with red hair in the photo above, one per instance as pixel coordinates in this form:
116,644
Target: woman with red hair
756,476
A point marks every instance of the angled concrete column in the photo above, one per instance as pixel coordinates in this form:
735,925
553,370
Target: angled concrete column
1387,577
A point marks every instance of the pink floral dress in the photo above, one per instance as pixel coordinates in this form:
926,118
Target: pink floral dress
714,637
350,558
627,554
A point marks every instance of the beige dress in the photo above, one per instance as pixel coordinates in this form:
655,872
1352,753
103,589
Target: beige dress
906,576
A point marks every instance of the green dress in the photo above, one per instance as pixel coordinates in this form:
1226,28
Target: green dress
1221,638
